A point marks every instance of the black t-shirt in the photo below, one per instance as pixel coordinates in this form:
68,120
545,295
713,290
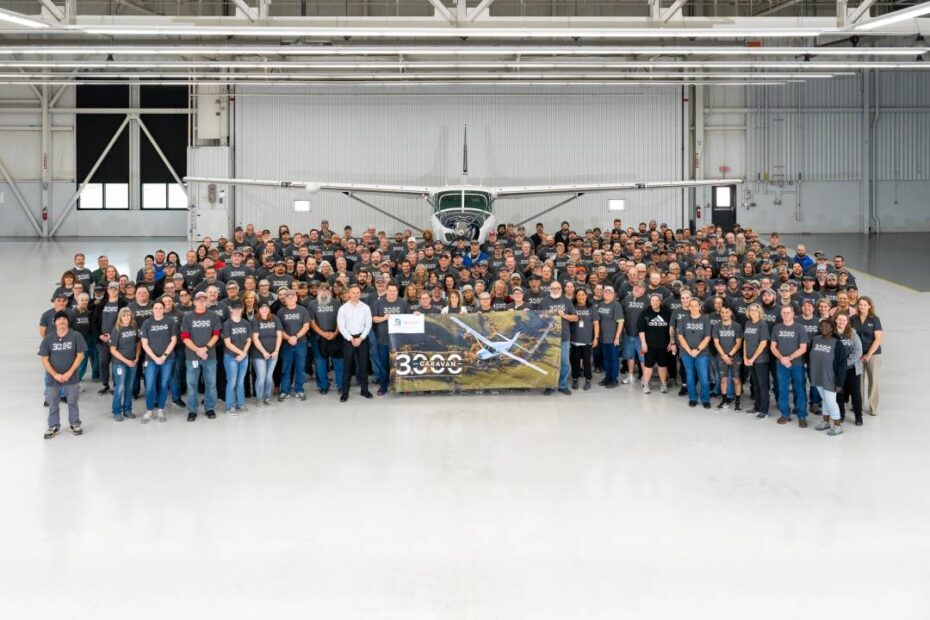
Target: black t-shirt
866,331
655,325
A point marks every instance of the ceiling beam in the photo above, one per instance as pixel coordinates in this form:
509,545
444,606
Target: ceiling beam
777,8
860,11
57,13
479,10
250,13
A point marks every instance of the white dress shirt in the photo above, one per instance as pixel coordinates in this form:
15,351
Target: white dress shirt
354,318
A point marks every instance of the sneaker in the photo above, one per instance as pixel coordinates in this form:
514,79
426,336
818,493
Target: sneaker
706,405
267,402
664,388
130,415
104,390
783,420
242,409
180,402
117,417
683,391
161,415
231,412
627,380
565,391
282,397
574,384
692,403
211,415
836,430
603,381
802,422
752,410
51,431
646,390
191,416
147,417
823,426
77,430
611,385
301,396
382,391
724,403
587,385
762,415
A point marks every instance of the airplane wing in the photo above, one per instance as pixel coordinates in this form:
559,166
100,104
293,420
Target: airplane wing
487,342
314,187
588,188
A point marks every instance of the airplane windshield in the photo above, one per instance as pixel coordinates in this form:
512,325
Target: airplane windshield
453,200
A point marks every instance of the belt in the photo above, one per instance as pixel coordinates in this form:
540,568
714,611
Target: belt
356,335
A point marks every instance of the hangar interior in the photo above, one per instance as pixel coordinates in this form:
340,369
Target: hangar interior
817,112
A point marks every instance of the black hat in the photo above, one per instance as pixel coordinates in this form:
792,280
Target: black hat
61,314
234,304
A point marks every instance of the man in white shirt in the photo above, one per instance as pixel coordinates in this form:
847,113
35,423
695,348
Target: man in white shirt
354,323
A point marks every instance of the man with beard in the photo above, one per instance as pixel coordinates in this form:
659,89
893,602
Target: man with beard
560,306
325,342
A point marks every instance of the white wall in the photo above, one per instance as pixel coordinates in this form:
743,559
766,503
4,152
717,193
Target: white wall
415,137
815,131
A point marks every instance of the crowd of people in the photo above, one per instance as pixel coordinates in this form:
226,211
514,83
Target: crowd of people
726,315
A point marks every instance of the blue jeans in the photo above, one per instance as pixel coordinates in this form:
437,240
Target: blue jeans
264,376
696,370
565,366
157,379
206,368
632,346
123,378
384,366
321,365
611,355
235,380
796,376
91,358
293,363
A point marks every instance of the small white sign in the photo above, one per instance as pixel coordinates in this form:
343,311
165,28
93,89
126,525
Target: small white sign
406,324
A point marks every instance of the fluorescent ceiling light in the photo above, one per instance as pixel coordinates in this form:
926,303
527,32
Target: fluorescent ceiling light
416,83
286,77
448,50
449,32
895,17
20,20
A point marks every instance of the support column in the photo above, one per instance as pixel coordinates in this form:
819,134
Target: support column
45,163
865,155
135,174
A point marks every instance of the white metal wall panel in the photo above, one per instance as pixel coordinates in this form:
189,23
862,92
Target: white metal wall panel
903,146
415,137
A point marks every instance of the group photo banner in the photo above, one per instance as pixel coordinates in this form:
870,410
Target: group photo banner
465,352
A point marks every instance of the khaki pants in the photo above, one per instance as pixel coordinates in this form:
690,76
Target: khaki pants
870,371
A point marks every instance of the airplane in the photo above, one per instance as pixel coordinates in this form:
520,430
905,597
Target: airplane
494,350
462,211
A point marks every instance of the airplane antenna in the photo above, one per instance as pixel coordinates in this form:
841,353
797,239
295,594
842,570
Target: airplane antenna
465,154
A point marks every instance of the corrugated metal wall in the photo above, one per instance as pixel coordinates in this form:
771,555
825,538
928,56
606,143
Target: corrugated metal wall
415,137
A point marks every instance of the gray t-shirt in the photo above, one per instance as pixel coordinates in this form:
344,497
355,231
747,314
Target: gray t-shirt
694,330
200,328
822,356
727,335
810,326
324,315
108,314
548,304
293,320
139,312
124,340
239,332
582,330
384,307
48,319
632,307
753,334
158,334
608,315
62,351
789,339
267,333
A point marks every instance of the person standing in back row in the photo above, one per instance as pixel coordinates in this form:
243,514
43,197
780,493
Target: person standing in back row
354,323
61,351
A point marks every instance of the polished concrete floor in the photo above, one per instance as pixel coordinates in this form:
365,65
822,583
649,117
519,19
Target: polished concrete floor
898,257
607,504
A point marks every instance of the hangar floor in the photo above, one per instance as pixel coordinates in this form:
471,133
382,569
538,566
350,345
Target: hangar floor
525,506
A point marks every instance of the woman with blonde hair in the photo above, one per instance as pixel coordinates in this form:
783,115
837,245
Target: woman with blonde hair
869,327
125,345
756,358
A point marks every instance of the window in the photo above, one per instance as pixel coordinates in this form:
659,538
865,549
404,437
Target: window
453,200
163,196
105,196
722,195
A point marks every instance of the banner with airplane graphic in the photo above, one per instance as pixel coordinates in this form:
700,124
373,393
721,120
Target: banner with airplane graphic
469,352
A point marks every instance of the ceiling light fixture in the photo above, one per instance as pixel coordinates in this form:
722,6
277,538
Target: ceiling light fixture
896,16
20,20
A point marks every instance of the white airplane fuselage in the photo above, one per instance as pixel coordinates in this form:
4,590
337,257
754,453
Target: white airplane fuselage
463,212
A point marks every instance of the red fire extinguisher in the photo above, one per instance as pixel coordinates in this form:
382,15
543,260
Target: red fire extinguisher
44,214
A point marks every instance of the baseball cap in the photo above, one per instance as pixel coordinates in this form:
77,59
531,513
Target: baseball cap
517,289
59,296
61,314
114,285
200,295
235,304
784,287
768,290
